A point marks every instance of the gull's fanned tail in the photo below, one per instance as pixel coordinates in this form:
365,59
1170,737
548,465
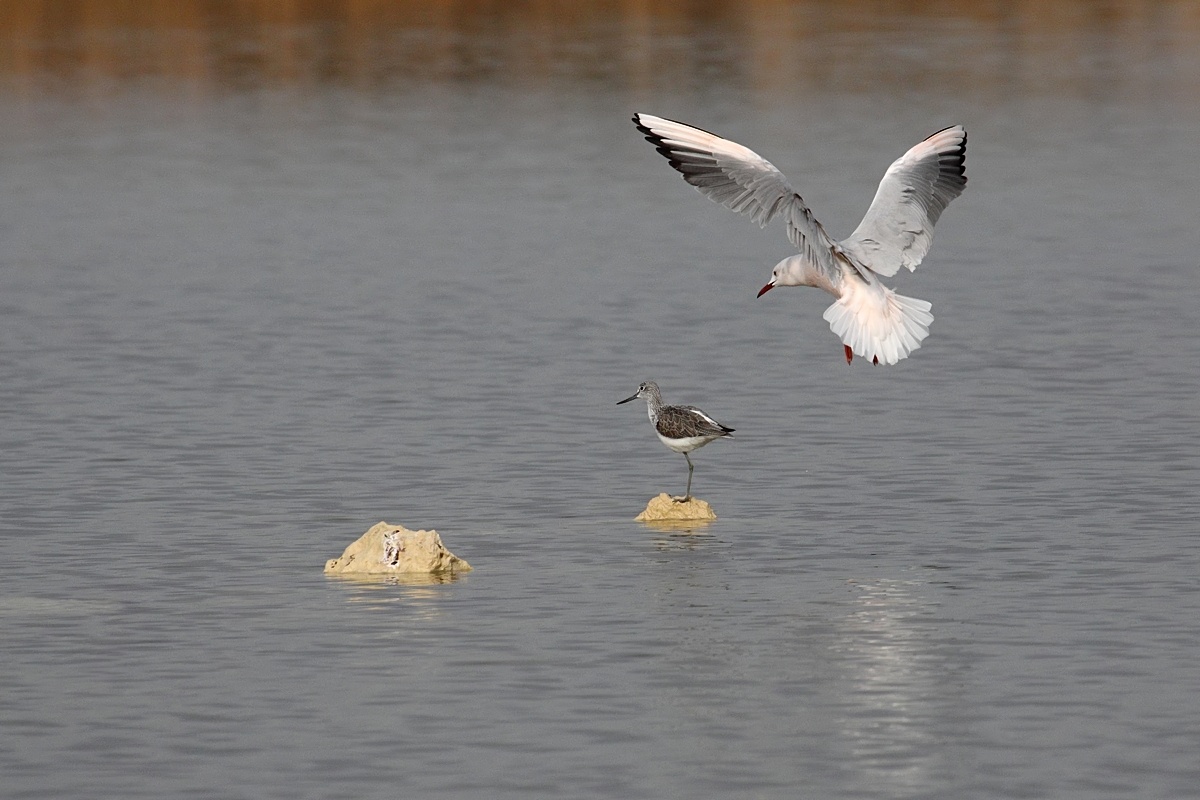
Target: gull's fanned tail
878,324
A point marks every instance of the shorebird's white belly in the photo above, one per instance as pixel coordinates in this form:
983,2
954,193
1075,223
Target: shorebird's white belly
685,445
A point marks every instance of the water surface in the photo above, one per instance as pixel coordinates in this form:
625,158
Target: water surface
271,275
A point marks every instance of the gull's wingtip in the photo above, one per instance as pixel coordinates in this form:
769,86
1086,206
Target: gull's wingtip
953,132
951,144
957,128
643,127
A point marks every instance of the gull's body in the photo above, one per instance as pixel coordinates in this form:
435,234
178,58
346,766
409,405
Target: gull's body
871,319
681,428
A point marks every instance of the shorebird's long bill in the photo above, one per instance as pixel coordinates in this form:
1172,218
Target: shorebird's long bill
627,399
766,289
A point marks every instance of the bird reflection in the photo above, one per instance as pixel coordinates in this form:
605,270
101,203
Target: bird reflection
892,700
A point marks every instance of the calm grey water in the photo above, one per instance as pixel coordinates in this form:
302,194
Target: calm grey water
245,315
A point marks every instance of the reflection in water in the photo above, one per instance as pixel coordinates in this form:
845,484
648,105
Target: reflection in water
766,45
681,534
416,592
399,579
894,683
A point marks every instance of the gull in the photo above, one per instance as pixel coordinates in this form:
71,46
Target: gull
872,320
681,428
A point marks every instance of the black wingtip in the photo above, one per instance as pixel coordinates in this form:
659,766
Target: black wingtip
674,154
650,135
953,163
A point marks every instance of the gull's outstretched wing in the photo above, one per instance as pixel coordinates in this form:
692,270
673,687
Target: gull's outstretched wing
740,179
898,227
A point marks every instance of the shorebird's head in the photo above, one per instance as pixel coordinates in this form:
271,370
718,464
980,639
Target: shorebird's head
645,391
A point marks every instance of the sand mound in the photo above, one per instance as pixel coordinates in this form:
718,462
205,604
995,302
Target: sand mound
391,549
664,507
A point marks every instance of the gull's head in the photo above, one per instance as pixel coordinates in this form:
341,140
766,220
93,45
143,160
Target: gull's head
645,391
785,273
778,276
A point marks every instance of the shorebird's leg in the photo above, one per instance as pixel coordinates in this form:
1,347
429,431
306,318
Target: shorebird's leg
849,353
687,495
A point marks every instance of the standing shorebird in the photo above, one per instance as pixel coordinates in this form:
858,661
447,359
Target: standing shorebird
871,319
681,428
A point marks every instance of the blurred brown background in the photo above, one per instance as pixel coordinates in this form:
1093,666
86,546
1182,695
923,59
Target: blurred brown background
86,45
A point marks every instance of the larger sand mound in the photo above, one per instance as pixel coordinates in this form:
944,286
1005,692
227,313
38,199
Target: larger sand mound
391,549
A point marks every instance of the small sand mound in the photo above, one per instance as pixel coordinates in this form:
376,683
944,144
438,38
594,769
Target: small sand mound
391,549
665,507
